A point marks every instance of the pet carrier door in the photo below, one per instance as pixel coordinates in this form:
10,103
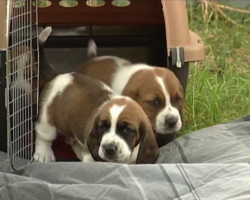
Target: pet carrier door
22,76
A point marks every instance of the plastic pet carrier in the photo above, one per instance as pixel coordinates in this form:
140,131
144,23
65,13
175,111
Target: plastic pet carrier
153,32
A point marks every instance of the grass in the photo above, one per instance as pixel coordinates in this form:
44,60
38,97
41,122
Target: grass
219,87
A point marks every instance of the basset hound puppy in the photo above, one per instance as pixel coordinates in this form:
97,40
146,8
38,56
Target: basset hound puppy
99,124
107,127
157,90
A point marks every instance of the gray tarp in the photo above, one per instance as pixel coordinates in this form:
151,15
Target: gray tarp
224,143
222,173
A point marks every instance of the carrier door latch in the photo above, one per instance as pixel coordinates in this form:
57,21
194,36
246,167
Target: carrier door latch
177,56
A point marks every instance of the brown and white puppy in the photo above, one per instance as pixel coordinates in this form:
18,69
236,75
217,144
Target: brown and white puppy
108,127
157,90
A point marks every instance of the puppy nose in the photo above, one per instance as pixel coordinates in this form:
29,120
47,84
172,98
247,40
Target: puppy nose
110,149
171,121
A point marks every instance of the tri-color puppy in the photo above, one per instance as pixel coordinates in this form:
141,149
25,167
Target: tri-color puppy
157,90
106,126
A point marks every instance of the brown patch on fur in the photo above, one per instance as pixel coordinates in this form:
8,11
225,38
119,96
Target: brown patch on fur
99,69
73,111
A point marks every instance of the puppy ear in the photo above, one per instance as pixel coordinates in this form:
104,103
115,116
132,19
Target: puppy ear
93,141
149,150
131,91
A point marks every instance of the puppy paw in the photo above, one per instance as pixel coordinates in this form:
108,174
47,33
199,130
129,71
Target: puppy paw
44,155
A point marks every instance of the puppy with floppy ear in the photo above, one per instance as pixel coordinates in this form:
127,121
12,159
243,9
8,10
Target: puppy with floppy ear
148,149
106,126
157,90
93,141
145,149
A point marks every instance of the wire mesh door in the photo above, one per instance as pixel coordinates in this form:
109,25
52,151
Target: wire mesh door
22,76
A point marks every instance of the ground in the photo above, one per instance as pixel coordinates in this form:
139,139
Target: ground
219,87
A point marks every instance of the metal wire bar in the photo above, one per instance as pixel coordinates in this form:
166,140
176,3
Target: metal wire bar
21,137
24,108
23,42
22,78
23,95
21,15
22,69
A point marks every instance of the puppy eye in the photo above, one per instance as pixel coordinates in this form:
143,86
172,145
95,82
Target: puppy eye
155,102
178,99
128,130
102,128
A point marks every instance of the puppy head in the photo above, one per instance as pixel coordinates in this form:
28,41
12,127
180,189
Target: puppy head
123,134
160,94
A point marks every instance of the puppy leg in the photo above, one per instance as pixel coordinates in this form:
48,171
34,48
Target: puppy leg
45,134
86,155
81,152
78,150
